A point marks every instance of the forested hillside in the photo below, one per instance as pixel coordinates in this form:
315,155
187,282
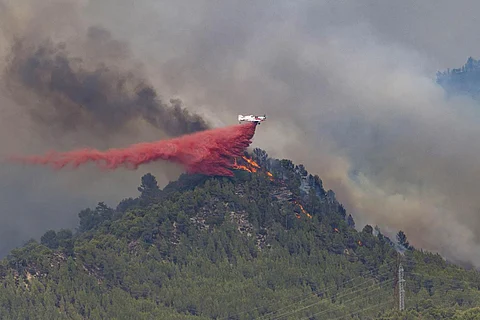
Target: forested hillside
268,243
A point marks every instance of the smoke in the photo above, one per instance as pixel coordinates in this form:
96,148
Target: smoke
101,98
210,152
66,83
347,87
349,90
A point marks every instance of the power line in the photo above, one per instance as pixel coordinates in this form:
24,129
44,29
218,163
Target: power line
326,290
335,296
399,290
362,297
308,306
308,295
363,310
333,287
317,302
476,282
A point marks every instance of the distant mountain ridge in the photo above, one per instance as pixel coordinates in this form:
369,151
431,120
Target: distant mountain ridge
462,81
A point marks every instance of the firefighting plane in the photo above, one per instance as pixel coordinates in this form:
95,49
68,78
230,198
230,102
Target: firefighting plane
252,118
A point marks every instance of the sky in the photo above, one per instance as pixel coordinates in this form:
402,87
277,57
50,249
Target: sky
348,87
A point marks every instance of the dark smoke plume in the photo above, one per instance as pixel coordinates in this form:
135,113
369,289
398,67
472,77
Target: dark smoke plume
209,152
65,85
99,96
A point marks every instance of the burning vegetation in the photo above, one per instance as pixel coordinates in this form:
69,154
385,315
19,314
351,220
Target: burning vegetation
246,163
303,210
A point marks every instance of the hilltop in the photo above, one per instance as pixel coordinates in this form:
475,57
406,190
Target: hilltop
269,242
462,81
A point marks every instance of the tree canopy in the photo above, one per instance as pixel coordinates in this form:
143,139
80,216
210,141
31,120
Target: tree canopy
270,244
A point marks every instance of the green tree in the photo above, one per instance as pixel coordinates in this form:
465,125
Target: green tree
402,240
149,187
227,248
350,221
49,239
88,219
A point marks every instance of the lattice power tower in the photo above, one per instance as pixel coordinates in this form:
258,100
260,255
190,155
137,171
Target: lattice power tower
401,289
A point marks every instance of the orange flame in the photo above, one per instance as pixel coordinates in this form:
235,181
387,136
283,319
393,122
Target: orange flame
251,166
359,243
303,210
251,162
297,215
242,167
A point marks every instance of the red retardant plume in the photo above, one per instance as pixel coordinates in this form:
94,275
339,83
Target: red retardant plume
209,152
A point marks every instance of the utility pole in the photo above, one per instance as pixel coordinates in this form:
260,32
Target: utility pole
401,288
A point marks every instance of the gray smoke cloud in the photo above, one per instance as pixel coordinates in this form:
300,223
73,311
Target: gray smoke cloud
65,84
350,92
348,88
102,99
